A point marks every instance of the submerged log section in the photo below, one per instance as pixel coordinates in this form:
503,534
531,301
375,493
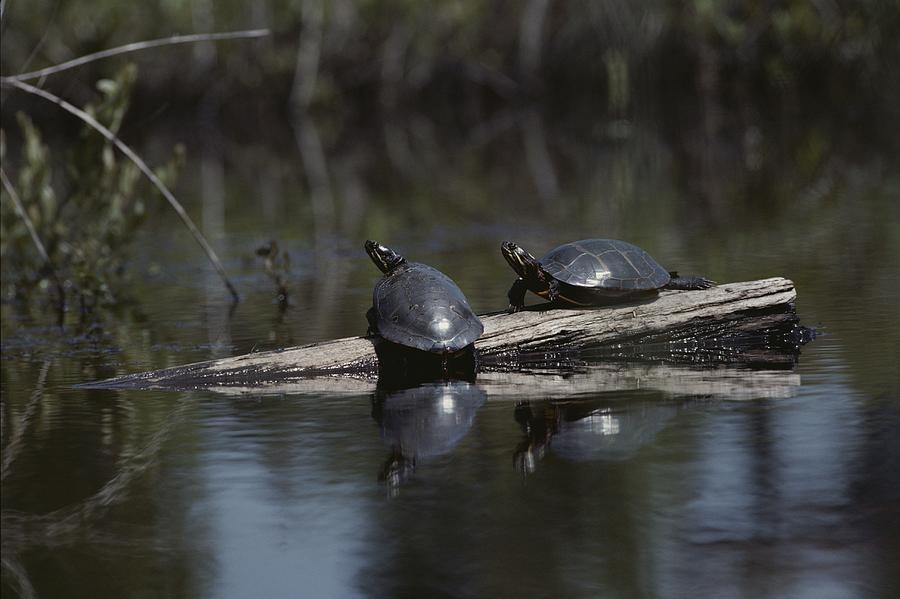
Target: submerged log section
510,337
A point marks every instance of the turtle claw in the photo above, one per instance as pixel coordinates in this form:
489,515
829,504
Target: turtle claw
513,309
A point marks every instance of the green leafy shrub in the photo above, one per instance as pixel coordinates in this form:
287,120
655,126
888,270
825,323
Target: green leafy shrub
85,207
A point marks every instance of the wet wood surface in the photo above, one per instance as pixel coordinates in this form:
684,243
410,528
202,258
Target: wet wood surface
690,323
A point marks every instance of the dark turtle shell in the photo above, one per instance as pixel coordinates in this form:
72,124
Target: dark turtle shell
419,306
605,264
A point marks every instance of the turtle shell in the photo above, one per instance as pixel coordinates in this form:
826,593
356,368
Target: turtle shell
605,264
420,307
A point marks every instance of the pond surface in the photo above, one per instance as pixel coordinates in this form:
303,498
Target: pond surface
616,480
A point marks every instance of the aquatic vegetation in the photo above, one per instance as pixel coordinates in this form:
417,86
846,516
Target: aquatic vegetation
85,204
277,265
100,206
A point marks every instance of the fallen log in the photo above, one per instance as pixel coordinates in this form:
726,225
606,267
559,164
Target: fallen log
735,322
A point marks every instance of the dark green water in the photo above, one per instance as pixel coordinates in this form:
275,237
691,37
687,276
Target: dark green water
625,480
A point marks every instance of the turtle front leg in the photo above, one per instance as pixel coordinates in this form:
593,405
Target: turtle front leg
373,321
688,282
553,291
516,296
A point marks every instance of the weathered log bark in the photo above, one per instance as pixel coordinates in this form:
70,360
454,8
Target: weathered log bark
734,322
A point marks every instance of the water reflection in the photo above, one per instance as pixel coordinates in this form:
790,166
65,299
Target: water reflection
596,429
624,379
255,491
584,381
423,422
126,443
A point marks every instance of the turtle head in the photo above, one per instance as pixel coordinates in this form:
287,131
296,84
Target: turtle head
384,257
525,265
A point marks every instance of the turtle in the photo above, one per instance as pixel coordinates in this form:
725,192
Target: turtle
591,272
417,306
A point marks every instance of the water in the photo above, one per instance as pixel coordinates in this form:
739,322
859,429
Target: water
620,480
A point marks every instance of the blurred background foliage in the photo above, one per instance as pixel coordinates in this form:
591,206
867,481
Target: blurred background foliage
464,59
85,207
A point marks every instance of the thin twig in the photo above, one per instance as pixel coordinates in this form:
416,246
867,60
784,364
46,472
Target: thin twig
135,46
137,160
48,28
22,214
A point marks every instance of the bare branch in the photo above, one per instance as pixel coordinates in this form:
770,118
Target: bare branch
135,46
138,161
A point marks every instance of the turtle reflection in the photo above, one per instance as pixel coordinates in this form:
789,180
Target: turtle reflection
586,430
423,422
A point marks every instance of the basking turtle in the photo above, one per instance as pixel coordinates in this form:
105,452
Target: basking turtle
418,306
591,272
